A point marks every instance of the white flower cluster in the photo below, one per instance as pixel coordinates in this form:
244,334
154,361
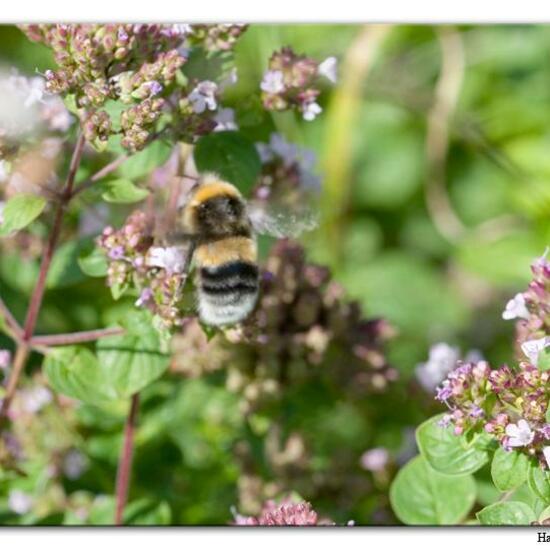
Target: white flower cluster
516,308
203,96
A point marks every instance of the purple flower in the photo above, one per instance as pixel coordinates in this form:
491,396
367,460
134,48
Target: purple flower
444,391
203,96
172,259
516,308
476,411
5,358
116,253
273,82
154,87
532,348
444,421
122,34
144,297
519,434
545,431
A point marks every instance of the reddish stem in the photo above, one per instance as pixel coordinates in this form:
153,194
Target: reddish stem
105,171
125,460
23,348
19,361
38,294
75,337
10,319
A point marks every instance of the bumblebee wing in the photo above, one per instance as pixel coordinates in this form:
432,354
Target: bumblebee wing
281,221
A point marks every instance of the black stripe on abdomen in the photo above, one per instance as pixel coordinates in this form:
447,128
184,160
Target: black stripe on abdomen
230,278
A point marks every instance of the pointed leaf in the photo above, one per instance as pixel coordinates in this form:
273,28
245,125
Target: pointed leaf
20,211
133,360
94,264
122,191
509,469
141,164
446,452
74,371
539,481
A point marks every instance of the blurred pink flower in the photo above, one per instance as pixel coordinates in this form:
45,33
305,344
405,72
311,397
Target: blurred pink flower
283,513
375,460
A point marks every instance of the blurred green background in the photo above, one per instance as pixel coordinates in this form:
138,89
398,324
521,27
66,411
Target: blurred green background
434,151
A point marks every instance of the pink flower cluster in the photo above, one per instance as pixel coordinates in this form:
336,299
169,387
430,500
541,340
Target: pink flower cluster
292,82
283,513
533,320
215,38
123,77
508,404
156,274
97,63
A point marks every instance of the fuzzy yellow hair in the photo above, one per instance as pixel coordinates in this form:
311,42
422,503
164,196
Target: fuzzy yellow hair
227,250
210,186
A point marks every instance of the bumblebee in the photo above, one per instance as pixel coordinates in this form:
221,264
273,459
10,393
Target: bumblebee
222,227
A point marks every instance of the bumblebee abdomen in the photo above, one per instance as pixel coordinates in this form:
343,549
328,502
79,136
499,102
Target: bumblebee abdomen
228,292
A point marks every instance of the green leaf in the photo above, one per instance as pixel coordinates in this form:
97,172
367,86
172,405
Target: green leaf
502,261
545,514
230,155
446,452
143,163
509,469
3,325
139,512
74,371
543,362
420,495
132,361
547,416
147,512
114,109
506,513
539,481
486,492
18,271
94,264
122,191
118,290
70,103
123,366
20,211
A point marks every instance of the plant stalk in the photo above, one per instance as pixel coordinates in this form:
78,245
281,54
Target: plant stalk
75,337
23,347
125,460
